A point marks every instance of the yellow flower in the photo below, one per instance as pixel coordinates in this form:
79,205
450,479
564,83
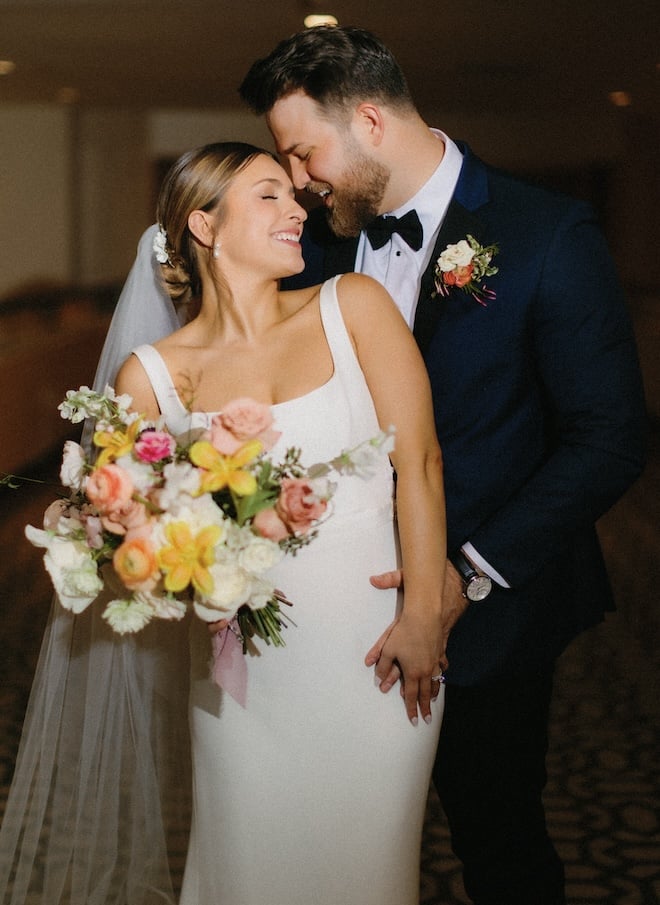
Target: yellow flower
116,443
225,471
188,557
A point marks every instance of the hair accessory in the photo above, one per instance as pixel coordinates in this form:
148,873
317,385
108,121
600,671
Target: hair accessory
216,250
160,246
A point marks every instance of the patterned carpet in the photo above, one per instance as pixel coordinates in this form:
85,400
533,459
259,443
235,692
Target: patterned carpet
603,794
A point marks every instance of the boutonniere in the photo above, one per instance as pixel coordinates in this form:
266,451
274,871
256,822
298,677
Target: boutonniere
465,265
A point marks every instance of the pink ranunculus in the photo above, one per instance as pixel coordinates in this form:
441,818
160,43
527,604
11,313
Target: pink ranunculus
242,420
93,531
267,523
154,446
125,519
53,513
298,506
109,487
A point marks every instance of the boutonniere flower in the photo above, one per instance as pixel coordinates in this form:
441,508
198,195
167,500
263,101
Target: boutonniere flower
465,265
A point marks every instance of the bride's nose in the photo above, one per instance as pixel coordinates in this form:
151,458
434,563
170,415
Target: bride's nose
298,212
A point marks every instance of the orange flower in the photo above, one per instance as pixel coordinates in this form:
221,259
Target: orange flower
135,564
116,443
225,471
109,488
188,557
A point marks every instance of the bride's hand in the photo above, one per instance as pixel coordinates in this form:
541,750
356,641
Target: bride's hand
412,645
219,626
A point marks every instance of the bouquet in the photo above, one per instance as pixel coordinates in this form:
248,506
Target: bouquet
161,523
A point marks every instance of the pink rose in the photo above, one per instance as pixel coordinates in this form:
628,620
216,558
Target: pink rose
298,506
154,446
267,523
108,488
242,420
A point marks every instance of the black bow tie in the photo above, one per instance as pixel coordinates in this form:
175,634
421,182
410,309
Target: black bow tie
380,230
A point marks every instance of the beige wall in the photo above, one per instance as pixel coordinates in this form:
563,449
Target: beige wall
35,196
76,185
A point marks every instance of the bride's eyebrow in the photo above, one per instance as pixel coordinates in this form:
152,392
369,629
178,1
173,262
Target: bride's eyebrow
270,181
276,183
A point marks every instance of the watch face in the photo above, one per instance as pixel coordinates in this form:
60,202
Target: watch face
479,588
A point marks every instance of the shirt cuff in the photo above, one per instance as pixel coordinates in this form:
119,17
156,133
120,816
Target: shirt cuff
485,566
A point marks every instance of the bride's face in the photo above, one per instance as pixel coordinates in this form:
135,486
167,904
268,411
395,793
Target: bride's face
261,220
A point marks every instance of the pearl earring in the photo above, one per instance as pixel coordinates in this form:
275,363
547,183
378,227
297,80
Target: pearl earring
216,250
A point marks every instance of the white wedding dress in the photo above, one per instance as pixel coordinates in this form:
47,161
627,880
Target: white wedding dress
315,793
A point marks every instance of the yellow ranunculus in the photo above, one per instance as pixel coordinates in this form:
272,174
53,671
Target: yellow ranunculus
221,471
187,557
116,443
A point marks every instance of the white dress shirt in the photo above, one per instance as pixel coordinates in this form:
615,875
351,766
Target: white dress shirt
396,266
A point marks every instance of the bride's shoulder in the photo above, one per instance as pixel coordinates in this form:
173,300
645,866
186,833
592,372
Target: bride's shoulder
360,296
359,287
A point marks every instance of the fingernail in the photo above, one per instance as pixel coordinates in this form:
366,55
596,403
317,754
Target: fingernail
414,721
376,681
428,718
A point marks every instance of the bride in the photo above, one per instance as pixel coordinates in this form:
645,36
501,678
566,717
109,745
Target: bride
316,789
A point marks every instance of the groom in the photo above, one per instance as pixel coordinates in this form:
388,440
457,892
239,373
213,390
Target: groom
538,406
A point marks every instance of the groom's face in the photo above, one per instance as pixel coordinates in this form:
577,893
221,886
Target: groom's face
324,156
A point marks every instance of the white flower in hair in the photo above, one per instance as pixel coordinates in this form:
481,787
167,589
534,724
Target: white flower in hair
160,249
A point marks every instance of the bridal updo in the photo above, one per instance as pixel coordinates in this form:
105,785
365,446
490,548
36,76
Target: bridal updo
197,181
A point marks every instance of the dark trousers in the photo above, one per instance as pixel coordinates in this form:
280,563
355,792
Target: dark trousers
490,773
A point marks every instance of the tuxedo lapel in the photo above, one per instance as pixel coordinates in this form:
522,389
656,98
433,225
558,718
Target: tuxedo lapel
458,223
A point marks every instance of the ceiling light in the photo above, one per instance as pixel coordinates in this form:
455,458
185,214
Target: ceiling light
315,19
6,66
620,98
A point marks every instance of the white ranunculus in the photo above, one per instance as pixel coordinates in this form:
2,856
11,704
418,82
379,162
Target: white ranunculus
72,472
141,474
231,589
459,255
128,616
261,593
260,554
181,479
71,568
165,606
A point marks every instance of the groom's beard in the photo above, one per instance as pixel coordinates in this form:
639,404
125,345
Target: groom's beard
358,201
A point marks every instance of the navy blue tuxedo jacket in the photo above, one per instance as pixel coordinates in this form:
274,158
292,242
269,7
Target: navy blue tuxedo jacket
539,411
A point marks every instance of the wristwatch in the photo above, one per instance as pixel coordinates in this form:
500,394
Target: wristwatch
476,585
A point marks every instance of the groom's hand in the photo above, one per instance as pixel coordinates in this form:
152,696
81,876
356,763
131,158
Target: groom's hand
387,580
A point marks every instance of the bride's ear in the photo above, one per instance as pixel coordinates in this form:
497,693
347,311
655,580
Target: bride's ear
199,224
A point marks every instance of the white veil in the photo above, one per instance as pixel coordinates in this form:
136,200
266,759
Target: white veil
100,799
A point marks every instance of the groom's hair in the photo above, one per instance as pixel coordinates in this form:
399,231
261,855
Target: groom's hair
335,66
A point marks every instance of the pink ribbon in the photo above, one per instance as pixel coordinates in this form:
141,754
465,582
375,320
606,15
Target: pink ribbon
229,669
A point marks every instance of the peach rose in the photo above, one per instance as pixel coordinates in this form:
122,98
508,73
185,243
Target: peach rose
298,506
125,518
109,487
242,420
135,564
267,523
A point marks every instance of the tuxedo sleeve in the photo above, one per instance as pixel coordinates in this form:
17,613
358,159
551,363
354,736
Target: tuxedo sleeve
584,356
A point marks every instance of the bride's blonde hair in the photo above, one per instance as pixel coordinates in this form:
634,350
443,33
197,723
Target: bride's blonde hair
197,181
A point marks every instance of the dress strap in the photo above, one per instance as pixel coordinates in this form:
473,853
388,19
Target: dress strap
345,360
162,384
